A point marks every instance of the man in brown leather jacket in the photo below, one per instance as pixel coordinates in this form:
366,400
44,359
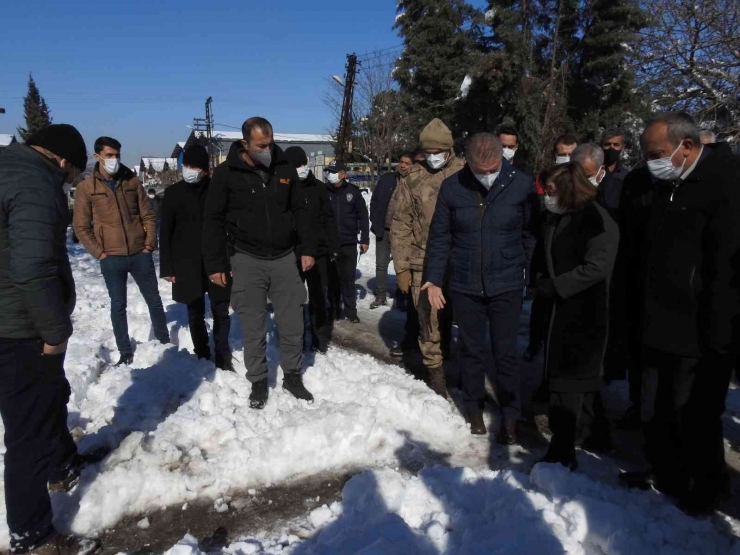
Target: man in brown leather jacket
115,224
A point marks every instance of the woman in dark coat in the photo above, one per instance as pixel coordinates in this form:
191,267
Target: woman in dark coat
181,259
580,245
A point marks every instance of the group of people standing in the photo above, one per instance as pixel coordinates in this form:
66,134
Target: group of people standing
631,271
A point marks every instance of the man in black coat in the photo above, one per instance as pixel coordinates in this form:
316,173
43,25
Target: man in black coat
181,259
316,199
684,270
382,207
610,188
509,138
350,212
482,237
255,198
37,297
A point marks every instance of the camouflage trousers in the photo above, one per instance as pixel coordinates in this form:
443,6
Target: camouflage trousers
435,325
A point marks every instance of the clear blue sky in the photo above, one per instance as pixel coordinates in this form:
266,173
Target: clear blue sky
140,70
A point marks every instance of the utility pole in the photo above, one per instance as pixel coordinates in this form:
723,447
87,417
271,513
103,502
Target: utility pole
345,123
205,127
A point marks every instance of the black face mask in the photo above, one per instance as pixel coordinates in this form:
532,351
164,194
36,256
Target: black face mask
611,156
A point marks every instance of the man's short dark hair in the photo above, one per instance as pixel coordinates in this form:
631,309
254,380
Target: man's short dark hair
408,154
680,126
566,139
152,191
613,132
103,142
261,124
508,130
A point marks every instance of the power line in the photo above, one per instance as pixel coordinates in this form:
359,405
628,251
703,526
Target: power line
375,52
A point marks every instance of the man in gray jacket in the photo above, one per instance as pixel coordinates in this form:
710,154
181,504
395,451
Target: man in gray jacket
37,296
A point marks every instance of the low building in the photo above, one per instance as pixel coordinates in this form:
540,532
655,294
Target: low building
6,140
155,172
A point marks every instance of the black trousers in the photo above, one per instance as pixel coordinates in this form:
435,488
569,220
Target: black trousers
574,414
479,318
33,403
412,328
221,327
342,279
682,404
317,281
539,320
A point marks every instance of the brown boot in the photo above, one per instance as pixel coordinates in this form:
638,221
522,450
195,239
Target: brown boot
59,544
477,426
437,381
507,434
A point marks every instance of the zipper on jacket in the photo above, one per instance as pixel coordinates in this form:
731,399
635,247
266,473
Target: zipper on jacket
120,217
482,205
269,221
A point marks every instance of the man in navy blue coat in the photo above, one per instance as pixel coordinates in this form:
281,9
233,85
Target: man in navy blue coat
482,239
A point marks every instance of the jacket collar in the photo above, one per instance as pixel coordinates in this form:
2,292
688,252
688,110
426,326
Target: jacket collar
506,176
22,151
124,173
235,160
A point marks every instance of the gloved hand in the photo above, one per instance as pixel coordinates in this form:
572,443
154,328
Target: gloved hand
403,281
546,288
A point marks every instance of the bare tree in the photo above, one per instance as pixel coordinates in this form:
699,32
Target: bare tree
691,58
380,127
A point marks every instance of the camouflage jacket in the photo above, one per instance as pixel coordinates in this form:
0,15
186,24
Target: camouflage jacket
417,200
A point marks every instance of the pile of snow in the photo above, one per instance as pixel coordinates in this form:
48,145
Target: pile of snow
180,430
460,510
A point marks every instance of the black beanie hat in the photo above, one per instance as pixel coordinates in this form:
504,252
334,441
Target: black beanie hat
296,156
64,141
196,157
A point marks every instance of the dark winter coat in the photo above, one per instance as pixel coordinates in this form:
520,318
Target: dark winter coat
350,213
379,203
580,249
155,204
320,212
482,239
37,292
262,211
683,255
609,191
519,162
180,238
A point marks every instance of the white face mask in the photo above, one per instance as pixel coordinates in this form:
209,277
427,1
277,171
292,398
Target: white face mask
509,153
664,169
551,203
303,172
487,180
436,161
595,180
111,165
333,178
191,175
151,196
560,160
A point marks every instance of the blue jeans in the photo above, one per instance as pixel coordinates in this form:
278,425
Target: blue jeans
141,267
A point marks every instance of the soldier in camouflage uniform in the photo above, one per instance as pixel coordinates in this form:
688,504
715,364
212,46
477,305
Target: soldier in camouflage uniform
417,199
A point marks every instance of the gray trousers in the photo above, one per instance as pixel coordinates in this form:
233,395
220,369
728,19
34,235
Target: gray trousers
254,280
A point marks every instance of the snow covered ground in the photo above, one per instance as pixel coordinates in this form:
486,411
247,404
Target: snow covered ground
181,431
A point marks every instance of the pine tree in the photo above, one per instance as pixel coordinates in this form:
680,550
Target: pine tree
35,111
439,51
602,86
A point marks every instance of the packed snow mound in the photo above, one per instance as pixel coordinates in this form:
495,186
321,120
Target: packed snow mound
180,430
466,511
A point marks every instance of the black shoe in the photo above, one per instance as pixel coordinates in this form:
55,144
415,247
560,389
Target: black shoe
397,352
126,360
378,302
477,425
65,479
404,349
258,397
568,460
600,443
704,500
293,384
224,362
321,346
59,544
507,435
352,317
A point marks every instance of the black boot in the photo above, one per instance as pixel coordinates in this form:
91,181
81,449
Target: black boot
566,458
225,362
293,384
65,479
125,360
378,302
352,316
258,397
